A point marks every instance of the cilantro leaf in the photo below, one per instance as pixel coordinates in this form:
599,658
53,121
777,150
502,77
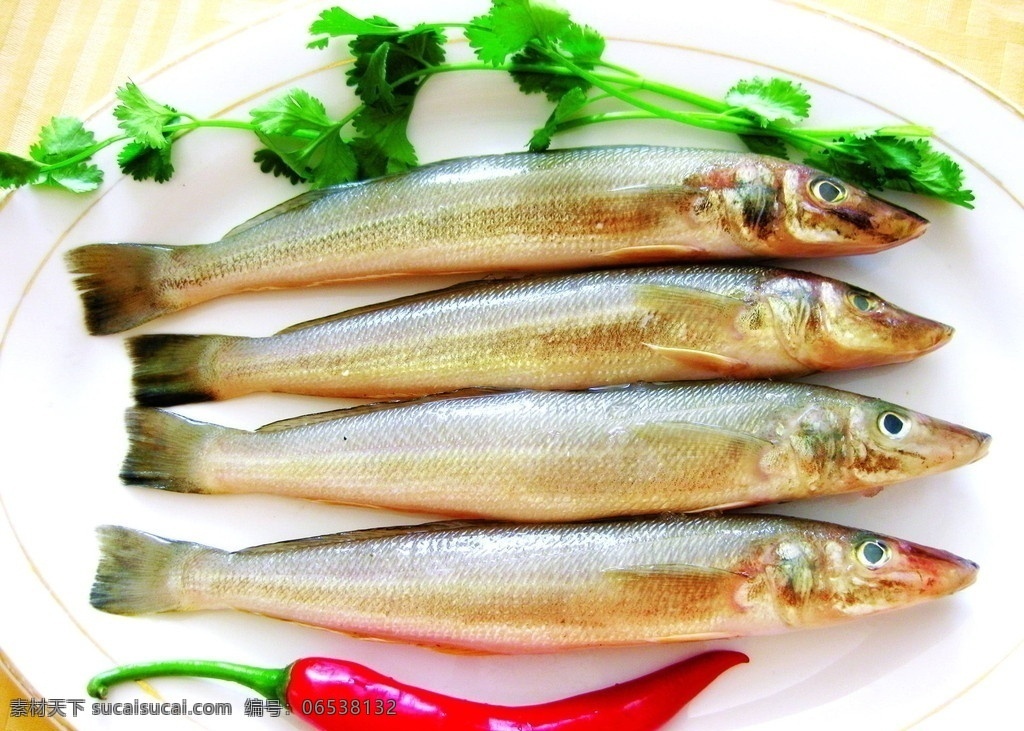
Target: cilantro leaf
372,86
62,138
771,100
570,103
60,144
142,117
584,44
17,171
554,86
271,162
383,146
332,161
511,25
325,159
143,162
766,145
80,177
295,111
878,161
381,62
532,33
336,22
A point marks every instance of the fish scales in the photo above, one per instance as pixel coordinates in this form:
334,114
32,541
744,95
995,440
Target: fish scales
543,455
521,588
565,209
561,331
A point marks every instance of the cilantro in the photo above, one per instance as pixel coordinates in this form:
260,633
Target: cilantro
297,111
143,162
335,23
512,25
570,103
142,117
271,162
544,50
766,145
771,100
58,159
383,147
17,171
533,34
301,136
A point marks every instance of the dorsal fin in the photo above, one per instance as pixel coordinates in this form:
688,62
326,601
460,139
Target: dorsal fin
292,204
406,300
322,416
367,534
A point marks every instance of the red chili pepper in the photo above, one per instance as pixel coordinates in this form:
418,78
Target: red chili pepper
335,694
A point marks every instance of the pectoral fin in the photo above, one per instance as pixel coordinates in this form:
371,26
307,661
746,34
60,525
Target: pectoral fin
698,304
732,452
700,583
700,360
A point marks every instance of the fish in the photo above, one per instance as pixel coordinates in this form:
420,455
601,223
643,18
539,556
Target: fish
509,588
554,456
516,212
550,331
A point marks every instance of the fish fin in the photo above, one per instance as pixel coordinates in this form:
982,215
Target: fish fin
723,506
310,419
162,448
303,200
656,253
690,302
734,445
171,369
696,637
366,534
721,365
136,571
386,304
118,284
700,584
681,571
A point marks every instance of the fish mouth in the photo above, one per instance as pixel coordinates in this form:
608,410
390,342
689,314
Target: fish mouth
983,440
964,446
951,573
928,336
899,225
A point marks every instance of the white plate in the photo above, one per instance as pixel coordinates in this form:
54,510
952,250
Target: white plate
63,392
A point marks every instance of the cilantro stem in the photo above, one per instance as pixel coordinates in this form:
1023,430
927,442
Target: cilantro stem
85,154
603,117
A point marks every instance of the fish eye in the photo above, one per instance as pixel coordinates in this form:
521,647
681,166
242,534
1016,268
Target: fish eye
864,301
828,190
893,425
874,553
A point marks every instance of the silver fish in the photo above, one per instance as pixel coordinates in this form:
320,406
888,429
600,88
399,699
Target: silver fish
553,332
565,209
544,456
532,588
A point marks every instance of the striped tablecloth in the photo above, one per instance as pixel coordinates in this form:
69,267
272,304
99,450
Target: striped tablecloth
65,57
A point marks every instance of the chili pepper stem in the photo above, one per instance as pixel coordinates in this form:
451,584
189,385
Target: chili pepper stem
268,682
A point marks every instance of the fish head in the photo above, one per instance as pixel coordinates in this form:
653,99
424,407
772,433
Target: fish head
826,324
888,443
829,573
845,442
824,216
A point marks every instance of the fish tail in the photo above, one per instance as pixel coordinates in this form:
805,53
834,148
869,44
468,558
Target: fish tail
161,450
173,369
119,284
139,573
